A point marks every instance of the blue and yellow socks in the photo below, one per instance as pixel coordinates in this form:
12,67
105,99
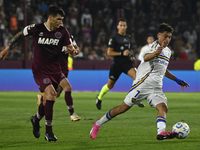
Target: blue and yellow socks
161,124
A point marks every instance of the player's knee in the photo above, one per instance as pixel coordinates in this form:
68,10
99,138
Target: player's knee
162,107
51,95
67,88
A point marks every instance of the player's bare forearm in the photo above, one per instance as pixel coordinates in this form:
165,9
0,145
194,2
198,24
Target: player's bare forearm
15,39
179,81
170,75
149,56
4,53
111,52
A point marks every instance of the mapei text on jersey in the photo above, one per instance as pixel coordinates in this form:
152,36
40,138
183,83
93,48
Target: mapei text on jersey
48,41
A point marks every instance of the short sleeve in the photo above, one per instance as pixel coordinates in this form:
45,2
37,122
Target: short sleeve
111,42
29,30
152,48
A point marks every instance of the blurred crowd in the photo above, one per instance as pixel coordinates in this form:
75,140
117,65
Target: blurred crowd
93,22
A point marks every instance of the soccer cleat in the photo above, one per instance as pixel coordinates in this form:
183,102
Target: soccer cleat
94,131
166,135
140,105
39,101
36,127
74,117
98,103
49,136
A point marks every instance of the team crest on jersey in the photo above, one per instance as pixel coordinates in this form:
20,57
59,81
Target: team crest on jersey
122,47
46,80
58,35
151,50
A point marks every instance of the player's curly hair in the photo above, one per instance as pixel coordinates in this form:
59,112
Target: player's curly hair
165,27
54,10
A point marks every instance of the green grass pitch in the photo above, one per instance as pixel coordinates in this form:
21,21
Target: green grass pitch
133,130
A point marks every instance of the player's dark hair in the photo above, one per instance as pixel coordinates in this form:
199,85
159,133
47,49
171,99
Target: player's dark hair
165,27
121,19
54,10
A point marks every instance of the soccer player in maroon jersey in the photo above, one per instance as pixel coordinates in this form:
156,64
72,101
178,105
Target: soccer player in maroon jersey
48,38
64,84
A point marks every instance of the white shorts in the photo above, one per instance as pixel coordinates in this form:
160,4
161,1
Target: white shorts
153,96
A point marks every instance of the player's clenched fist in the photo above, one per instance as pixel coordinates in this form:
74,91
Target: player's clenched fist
159,49
126,52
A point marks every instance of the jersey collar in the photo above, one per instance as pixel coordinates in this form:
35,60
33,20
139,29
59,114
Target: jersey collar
46,27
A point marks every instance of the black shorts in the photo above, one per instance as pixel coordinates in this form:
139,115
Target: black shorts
117,68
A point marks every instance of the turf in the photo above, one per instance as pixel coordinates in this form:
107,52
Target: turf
135,129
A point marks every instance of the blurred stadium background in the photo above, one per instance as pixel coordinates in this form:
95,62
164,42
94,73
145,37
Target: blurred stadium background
93,22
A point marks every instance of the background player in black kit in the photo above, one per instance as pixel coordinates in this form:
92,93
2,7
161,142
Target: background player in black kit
118,47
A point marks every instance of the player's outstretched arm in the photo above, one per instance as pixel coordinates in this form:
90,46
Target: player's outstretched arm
4,53
178,81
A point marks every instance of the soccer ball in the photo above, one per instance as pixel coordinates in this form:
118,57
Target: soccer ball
182,129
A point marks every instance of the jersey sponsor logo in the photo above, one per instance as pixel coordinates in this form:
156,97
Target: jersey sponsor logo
48,41
163,62
58,35
151,50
